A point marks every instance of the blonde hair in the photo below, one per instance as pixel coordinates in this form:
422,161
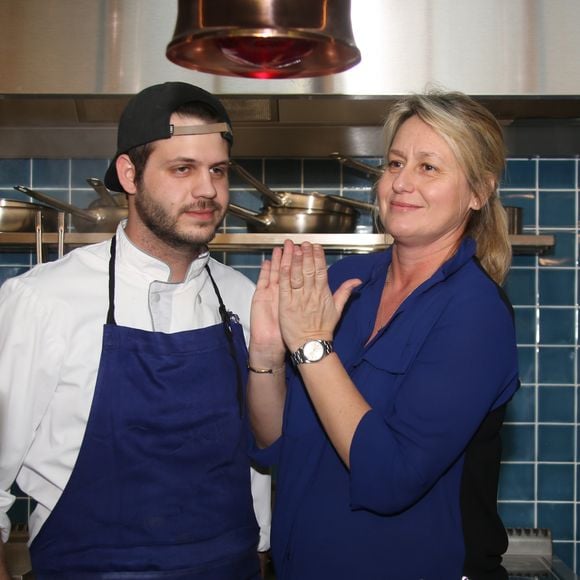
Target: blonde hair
476,139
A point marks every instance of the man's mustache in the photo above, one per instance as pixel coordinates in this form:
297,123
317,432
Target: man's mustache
206,205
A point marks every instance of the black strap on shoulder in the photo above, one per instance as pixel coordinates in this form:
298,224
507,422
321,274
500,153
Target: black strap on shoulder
111,312
225,317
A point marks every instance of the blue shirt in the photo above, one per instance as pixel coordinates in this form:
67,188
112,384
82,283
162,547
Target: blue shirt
419,500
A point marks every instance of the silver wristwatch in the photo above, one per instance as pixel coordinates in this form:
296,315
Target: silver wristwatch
312,351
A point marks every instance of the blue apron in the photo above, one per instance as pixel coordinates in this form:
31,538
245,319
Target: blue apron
161,486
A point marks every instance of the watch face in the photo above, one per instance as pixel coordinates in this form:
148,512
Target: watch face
313,350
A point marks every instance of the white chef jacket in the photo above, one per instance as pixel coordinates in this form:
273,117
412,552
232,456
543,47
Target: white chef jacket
51,327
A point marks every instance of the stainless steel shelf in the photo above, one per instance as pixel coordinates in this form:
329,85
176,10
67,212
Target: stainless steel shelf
521,244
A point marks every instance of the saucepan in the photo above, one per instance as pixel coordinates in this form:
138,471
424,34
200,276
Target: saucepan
102,215
20,216
293,212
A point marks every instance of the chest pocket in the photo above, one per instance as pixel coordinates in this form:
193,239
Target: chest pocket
381,368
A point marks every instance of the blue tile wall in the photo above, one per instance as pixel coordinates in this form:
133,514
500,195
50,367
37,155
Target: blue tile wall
539,481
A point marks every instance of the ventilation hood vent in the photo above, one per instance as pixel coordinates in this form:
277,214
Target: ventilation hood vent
69,67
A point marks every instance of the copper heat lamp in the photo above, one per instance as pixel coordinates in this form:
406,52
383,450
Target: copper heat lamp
264,39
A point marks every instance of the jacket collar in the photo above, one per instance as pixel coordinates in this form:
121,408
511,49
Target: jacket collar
464,254
148,267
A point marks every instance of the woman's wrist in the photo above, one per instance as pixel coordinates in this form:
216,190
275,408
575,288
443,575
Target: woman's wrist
266,356
266,370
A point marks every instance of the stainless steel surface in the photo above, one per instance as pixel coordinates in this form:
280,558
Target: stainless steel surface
520,47
364,167
264,39
102,191
21,216
18,560
276,199
524,244
99,217
312,201
286,219
524,542
297,212
514,218
61,205
520,58
530,555
17,554
537,568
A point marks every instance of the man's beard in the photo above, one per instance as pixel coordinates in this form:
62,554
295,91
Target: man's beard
164,225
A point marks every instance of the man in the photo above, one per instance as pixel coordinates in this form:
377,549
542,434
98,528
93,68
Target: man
123,369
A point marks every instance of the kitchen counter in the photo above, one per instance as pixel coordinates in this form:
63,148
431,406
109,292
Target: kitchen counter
529,556
537,567
519,567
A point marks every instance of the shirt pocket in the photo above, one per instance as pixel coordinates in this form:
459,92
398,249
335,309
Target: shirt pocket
381,369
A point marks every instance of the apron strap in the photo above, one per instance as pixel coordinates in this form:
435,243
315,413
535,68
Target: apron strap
111,312
225,316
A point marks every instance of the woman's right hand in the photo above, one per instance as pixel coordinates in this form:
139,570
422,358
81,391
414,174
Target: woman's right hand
267,348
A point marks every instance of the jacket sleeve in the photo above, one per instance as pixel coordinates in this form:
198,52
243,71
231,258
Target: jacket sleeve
465,365
30,351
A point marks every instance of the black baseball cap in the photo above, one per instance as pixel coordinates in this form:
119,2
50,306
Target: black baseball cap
146,118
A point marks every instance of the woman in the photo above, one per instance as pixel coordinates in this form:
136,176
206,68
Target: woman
387,436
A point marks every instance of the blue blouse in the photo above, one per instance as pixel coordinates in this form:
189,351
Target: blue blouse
419,500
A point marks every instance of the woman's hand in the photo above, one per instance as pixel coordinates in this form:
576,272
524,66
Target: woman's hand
308,309
266,345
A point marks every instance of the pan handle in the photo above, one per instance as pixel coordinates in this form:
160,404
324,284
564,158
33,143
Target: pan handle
42,197
370,169
261,187
248,216
102,190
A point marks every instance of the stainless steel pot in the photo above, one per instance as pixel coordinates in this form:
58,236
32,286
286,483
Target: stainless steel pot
20,216
100,217
293,212
280,220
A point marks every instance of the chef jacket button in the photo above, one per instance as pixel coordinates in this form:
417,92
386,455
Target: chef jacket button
156,298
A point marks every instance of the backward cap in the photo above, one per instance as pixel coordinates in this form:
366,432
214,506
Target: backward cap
147,116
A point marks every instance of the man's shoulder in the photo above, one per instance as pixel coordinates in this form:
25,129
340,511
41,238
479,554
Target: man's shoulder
78,267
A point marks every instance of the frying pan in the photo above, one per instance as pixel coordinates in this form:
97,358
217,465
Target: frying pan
282,219
293,212
99,217
20,216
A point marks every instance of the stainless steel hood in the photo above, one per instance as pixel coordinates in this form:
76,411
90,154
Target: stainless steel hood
68,67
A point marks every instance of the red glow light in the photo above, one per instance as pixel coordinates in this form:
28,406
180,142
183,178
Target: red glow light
270,56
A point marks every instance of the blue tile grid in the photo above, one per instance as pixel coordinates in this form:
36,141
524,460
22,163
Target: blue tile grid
539,481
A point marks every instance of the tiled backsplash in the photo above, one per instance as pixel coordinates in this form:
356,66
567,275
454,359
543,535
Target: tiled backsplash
540,477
